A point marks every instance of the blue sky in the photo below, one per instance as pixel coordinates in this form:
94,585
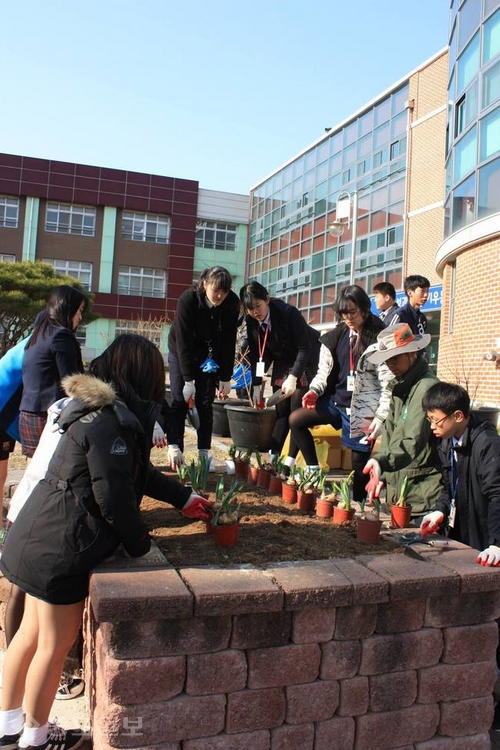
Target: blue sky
210,90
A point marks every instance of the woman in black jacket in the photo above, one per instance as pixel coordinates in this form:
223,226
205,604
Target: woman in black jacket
201,348
52,352
84,508
279,336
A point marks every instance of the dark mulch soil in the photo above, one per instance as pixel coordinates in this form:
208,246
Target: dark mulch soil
270,531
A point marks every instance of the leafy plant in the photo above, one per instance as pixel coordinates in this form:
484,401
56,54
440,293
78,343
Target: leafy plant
277,464
182,472
310,480
258,458
344,490
239,454
403,493
374,511
228,511
198,473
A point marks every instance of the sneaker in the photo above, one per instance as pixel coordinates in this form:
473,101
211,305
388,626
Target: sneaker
9,741
69,687
60,739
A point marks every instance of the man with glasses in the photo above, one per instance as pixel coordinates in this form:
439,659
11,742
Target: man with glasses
470,455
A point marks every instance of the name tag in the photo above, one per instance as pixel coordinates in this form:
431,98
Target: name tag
350,382
260,369
452,515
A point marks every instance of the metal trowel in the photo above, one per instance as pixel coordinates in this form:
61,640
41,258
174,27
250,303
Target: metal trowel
276,398
193,415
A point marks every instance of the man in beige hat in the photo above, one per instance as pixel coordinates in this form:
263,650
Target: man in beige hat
408,447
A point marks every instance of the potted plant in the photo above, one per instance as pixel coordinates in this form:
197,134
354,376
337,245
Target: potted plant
275,481
401,510
325,503
369,524
226,520
253,472
264,474
198,474
343,511
308,489
241,459
289,489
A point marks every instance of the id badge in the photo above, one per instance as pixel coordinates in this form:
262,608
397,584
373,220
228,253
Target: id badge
350,383
260,369
452,514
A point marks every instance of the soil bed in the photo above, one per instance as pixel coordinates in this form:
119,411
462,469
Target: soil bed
271,531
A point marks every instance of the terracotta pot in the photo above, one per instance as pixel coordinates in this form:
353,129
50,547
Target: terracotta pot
275,485
324,508
227,535
288,493
263,479
367,530
253,472
241,469
341,515
400,516
306,500
209,527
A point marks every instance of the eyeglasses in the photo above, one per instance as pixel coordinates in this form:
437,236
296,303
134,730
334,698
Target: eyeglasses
437,422
350,313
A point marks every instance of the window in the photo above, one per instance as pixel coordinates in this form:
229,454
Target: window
150,329
464,200
65,218
4,258
398,148
9,212
466,109
81,335
491,84
141,227
470,13
147,282
489,189
468,65
78,270
465,154
491,42
490,135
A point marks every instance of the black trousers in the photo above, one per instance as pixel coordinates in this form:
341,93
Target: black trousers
205,384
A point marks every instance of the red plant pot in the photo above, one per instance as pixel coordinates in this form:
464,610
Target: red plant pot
368,531
241,469
263,479
253,472
306,500
209,527
400,516
341,515
275,485
288,493
227,535
324,508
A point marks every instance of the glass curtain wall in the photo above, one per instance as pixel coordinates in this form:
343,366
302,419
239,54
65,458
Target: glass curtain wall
473,142
290,249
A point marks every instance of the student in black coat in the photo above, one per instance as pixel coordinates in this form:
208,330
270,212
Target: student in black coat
204,328
52,353
279,336
84,508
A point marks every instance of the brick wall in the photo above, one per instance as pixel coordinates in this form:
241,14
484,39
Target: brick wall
365,654
476,322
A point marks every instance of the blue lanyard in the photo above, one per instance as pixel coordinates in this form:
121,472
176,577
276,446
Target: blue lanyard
453,478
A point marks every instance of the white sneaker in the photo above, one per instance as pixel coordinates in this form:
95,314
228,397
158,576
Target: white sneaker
69,687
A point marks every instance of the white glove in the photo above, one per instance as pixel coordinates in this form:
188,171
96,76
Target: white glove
159,439
224,388
489,556
289,385
175,457
256,397
432,521
189,390
374,429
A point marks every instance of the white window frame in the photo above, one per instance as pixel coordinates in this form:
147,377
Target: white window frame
69,218
224,235
80,270
9,212
131,281
143,227
7,258
152,330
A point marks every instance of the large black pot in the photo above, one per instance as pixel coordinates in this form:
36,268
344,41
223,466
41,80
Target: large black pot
251,428
221,424
487,412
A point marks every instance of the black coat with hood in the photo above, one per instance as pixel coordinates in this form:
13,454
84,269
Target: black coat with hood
478,490
88,502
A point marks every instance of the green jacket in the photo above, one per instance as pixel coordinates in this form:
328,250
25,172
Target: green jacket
408,447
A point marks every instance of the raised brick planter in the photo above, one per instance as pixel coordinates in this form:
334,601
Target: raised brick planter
359,654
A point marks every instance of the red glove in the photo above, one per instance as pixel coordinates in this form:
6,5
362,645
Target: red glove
375,484
309,400
198,507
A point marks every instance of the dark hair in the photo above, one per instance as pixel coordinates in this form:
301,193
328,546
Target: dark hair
134,365
250,292
412,282
62,306
218,276
385,287
356,295
447,397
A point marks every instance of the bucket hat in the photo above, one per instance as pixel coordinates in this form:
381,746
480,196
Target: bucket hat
398,339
